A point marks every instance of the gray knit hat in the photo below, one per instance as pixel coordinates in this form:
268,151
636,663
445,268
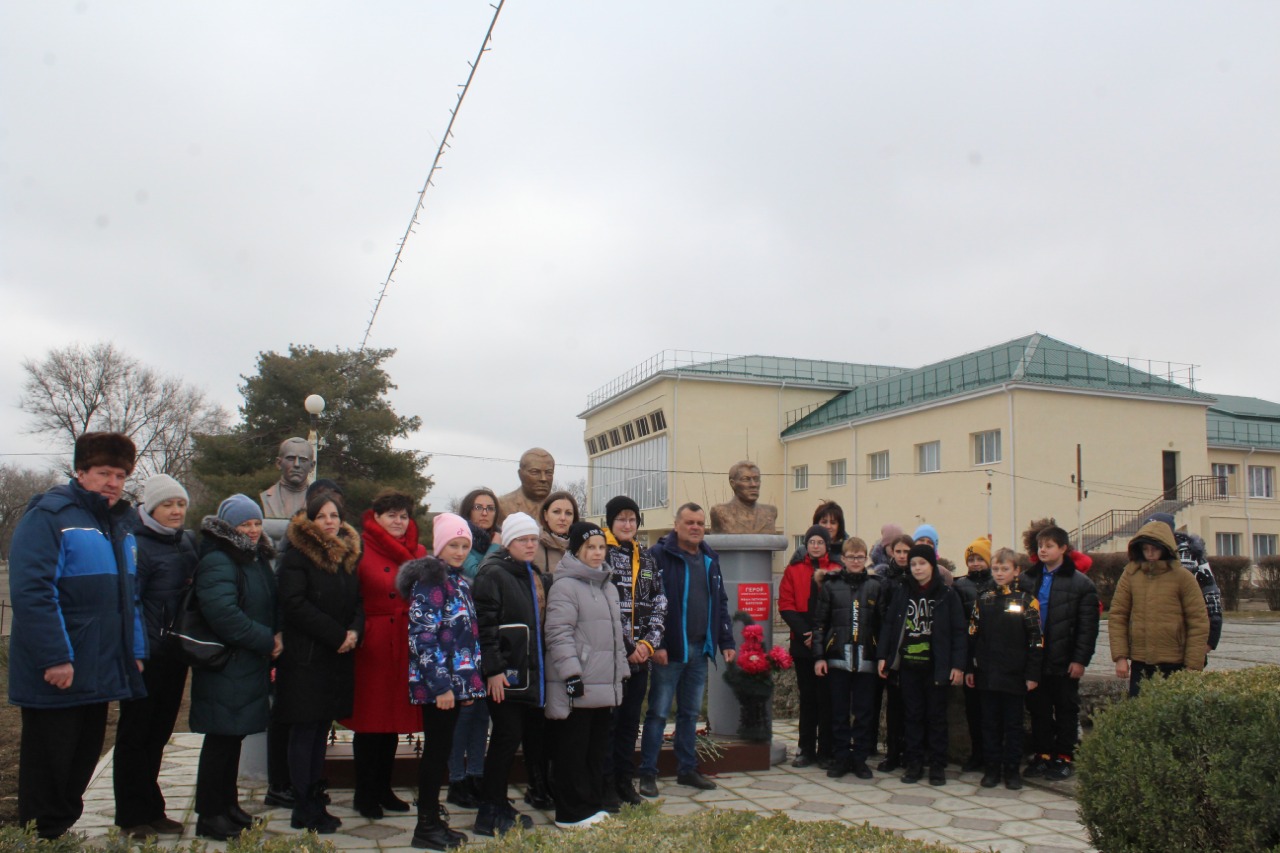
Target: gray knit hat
160,488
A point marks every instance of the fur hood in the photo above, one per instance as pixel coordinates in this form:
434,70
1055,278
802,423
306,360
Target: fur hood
429,570
218,534
328,553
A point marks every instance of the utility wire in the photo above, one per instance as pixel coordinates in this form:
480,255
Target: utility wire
435,164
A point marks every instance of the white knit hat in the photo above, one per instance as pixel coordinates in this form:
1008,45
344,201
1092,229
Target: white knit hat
160,488
518,524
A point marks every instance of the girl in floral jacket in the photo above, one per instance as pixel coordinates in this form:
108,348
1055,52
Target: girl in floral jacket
444,664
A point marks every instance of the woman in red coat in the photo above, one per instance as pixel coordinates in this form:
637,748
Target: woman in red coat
382,708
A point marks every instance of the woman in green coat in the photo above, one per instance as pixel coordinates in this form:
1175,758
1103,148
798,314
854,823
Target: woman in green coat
236,590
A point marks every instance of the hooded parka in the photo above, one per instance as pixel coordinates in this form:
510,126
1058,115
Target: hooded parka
584,639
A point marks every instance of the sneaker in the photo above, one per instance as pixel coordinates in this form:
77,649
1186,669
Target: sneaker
584,823
913,774
1036,766
1059,769
990,778
803,759
888,765
861,770
694,779
279,797
648,786
937,776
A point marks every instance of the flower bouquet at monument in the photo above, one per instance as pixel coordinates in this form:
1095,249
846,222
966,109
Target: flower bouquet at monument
750,677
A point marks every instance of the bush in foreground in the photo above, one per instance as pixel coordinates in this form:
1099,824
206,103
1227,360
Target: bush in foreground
1190,765
644,829
16,839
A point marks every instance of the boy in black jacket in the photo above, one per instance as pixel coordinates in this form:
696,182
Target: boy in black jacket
1004,663
847,613
1069,624
923,640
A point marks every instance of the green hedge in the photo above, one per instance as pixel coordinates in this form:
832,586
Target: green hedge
1269,568
1105,573
1190,765
1229,572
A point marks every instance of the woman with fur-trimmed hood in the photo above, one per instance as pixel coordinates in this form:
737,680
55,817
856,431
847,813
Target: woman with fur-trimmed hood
1158,621
322,617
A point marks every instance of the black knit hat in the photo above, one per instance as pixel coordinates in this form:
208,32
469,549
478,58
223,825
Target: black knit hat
104,448
580,532
615,506
818,530
925,552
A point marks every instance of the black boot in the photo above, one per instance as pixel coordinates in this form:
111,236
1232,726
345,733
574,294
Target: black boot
320,799
626,790
461,796
538,793
431,834
308,813
609,800
386,796
991,777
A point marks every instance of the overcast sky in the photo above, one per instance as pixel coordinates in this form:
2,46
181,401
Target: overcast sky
892,183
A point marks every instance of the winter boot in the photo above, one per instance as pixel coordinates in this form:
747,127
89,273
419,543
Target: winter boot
538,793
627,791
609,799
990,777
460,794
430,832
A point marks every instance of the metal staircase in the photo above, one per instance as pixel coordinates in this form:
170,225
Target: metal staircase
1125,522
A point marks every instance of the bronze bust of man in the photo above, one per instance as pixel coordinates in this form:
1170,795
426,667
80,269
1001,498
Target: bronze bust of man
296,460
537,472
744,514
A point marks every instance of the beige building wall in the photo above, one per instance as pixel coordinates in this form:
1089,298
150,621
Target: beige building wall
1039,430
1239,513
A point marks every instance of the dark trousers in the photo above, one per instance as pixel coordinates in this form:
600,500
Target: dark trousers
1139,671
973,711
278,755
141,736
925,707
582,739
509,722
437,743
876,710
216,775
625,726
815,710
306,755
1055,716
60,748
895,733
469,738
374,757
853,694
1001,728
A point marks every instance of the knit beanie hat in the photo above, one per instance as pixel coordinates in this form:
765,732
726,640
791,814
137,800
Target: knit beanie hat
518,524
104,448
980,547
890,532
927,531
160,488
615,506
926,552
238,509
580,532
446,527
817,530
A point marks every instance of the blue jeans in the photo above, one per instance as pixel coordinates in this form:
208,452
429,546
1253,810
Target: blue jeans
684,682
469,736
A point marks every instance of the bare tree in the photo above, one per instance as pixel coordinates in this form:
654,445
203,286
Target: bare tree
80,389
17,487
577,488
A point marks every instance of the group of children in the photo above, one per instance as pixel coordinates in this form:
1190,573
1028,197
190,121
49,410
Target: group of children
899,624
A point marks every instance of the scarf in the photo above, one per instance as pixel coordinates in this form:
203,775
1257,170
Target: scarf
480,539
400,550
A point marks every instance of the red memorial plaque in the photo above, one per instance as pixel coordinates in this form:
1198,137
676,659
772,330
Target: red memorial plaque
753,599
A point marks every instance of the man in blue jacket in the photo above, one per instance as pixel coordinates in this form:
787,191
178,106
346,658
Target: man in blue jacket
697,626
78,640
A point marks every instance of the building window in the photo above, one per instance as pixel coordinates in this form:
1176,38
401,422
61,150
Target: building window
800,478
1261,482
642,426
1228,544
658,421
591,446
1225,477
838,472
603,441
799,542
628,432
878,465
986,447
638,471
929,457
1264,545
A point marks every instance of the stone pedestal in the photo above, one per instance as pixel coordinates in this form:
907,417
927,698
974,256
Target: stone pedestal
746,560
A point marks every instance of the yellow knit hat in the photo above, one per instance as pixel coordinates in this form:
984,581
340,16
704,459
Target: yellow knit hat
981,547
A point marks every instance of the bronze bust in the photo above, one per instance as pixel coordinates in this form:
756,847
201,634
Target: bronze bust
296,459
744,514
537,472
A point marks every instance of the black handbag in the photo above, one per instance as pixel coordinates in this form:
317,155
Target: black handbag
188,637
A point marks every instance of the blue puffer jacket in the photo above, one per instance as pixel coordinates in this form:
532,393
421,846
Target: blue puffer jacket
166,562
72,582
675,582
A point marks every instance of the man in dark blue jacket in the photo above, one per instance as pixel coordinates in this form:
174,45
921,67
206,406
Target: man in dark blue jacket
697,626
78,640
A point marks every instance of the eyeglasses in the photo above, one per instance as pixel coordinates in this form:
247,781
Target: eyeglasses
485,509
857,558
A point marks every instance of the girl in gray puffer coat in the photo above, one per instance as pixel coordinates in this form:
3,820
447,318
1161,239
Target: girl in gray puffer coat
586,663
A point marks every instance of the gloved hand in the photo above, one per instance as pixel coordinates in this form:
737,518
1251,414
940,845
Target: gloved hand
575,687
